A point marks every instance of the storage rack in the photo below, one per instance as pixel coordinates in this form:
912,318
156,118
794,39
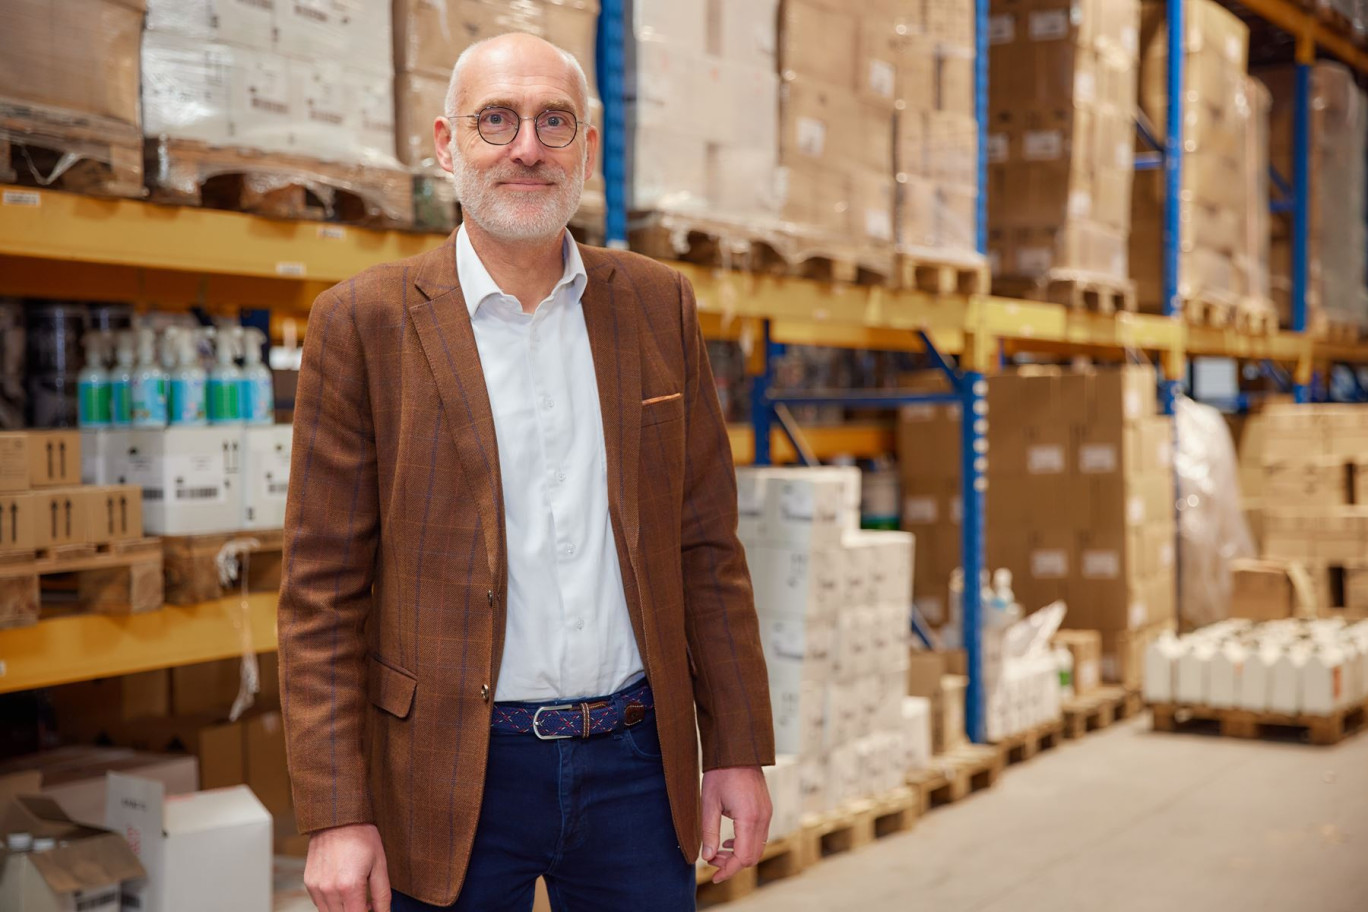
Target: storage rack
136,251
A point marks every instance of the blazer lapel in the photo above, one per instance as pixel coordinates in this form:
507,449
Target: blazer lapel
442,323
613,339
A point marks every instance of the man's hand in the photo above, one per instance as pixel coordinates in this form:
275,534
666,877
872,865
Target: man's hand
740,793
345,864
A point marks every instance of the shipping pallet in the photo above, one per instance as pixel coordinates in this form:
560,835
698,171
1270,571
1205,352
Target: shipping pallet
1255,317
957,774
114,578
707,242
276,185
434,204
1244,723
1026,744
782,858
36,141
192,574
1340,332
1213,312
1099,709
924,273
1090,293
1335,20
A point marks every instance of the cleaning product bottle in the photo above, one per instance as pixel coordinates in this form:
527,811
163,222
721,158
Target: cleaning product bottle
257,396
187,379
92,384
148,387
1064,664
225,380
953,630
121,381
1002,600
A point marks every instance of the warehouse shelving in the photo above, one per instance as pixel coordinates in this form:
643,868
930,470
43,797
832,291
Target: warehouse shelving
168,256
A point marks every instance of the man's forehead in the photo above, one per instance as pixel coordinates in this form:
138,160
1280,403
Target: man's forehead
530,90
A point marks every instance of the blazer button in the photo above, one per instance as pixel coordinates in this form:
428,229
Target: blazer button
491,597
484,692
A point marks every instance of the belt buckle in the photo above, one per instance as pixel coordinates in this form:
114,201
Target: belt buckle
536,717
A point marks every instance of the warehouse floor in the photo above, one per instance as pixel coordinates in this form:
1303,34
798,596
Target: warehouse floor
1124,820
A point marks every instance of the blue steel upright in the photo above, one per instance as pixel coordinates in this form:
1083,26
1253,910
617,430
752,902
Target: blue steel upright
1173,177
610,51
1301,186
973,390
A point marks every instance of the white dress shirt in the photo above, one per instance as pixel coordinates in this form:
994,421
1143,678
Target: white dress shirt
568,633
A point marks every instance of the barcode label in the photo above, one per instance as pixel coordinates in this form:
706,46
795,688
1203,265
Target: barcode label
277,488
26,198
106,899
154,494
206,493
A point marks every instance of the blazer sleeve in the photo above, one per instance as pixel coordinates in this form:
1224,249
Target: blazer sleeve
731,686
331,532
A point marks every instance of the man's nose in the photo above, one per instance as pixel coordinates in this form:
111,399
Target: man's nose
526,149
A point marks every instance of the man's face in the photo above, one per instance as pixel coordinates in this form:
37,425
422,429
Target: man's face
523,190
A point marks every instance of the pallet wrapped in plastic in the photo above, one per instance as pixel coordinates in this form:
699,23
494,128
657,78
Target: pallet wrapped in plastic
1060,145
1335,292
69,95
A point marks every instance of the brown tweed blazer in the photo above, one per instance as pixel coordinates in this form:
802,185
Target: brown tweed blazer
392,601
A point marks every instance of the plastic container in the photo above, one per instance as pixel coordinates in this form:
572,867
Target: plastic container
92,384
148,389
256,398
224,385
121,380
187,406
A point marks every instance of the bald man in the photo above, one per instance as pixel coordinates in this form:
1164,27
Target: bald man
515,619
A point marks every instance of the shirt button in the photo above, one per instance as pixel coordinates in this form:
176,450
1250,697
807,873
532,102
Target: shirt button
579,624
560,476
569,549
547,402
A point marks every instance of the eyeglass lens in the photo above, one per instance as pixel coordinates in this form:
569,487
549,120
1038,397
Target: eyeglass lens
500,125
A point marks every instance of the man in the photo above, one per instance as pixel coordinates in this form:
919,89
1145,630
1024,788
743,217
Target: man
511,564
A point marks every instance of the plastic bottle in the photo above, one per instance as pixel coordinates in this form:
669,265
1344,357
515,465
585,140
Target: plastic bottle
257,397
44,844
225,380
148,385
188,380
952,632
1226,667
121,381
1001,598
1161,660
1064,663
92,384
19,842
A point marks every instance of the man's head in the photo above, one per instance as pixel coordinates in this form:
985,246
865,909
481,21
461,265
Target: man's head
522,190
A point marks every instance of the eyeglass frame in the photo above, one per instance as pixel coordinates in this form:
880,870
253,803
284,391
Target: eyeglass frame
518,129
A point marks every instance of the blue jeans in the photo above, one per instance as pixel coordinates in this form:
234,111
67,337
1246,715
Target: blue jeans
590,816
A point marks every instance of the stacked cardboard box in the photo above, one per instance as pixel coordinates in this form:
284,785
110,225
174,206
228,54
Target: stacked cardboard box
69,84
1315,499
1335,290
1224,196
430,34
1080,501
1060,146
838,62
833,609
936,137
702,115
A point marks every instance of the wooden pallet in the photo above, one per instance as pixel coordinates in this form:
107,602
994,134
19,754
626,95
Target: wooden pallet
275,185
1099,709
1340,332
434,204
1024,745
38,142
1096,294
783,858
1212,312
1243,723
192,565
919,273
1259,318
707,242
957,774
113,578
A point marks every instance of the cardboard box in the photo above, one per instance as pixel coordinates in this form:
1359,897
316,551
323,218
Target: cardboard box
16,522
924,672
74,776
112,512
207,688
820,41
247,23
208,851
1261,590
83,708
86,871
952,731
54,458
795,581
1086,648
190,478
58,516
14,462
265,475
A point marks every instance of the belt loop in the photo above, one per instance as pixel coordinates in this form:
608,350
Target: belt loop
584,708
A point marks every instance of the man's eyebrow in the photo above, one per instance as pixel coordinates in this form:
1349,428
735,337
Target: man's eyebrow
559,103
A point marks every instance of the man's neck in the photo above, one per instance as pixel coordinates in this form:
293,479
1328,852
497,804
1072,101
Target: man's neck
527,270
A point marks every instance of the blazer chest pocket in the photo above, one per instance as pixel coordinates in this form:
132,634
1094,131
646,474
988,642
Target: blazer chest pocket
659,409
389,688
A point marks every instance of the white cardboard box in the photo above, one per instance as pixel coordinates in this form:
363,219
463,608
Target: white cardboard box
916,715
792,638
247,23
207,851
786,795
265,475
74,776
185,87
795,580
799,707
261,111
191,478
82,873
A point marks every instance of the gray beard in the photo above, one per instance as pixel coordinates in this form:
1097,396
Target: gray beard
480,203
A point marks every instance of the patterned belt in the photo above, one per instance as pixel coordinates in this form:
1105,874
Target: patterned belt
575,720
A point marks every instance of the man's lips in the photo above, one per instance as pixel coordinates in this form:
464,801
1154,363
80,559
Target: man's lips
525,184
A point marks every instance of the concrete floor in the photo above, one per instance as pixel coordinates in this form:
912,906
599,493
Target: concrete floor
1123,821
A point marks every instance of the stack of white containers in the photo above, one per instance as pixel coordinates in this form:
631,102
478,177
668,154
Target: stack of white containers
1289,667
833,604
1021,672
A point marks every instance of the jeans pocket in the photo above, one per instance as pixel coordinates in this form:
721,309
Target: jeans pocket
644,739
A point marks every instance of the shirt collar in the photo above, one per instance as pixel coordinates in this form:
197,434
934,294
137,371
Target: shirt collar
477,284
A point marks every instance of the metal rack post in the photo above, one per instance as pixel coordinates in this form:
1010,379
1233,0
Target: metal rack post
611,54
1301,186
762,407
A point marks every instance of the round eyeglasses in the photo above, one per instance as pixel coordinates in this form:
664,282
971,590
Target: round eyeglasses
499,126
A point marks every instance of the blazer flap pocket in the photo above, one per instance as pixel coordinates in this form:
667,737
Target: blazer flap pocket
390,689
658,409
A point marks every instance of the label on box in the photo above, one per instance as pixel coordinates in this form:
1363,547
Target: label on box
918,413
1001,28
1130,404
879,224
1233,48
194,478
1034,260
1125,155
1049,25
1166,553
1049,563
1045,459
1085,86
881,78
1043,145
811,136
1101,564
998,147
1135,510
1137,614
26,198
1080,203
1130,40
1097,458
920,511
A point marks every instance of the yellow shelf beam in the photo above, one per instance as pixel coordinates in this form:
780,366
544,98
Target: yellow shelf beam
86,646
1303,25
855,440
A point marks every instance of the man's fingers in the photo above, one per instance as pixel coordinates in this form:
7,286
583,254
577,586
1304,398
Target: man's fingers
712,825
750,839
730,864
354,897
380,887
